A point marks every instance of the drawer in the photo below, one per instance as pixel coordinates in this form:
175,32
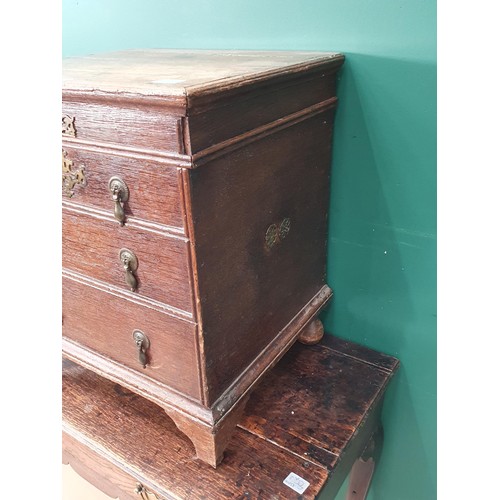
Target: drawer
104,323
153,188
97,471
134,126
92,244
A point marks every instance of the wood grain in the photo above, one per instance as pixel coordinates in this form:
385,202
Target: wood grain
104,323
168,73
154,187
335,399
124,428
362,353
103,474
148,128
217,149
319,399
258,106
209,441
92,245
234,201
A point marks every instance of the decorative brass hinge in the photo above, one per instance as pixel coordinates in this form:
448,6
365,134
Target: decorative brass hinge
68,126
71,176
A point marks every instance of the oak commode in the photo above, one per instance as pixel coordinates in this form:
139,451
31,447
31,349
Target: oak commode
195,201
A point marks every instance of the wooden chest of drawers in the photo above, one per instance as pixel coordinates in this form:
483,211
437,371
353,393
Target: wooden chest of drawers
195,200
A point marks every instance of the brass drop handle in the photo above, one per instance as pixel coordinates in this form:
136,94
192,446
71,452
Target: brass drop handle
120,193
145,494
142,343
130,264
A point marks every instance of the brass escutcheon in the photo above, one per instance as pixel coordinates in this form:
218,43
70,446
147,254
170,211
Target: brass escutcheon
284,227
272,235
71,176
277,232
68,126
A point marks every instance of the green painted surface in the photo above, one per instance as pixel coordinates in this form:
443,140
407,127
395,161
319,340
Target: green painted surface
382,244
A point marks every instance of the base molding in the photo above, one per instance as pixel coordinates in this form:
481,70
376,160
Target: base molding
209,441
209,428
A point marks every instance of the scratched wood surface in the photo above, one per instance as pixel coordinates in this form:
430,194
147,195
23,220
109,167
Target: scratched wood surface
310,409
217,149
107,327
284,175
92,244
169,72
153,189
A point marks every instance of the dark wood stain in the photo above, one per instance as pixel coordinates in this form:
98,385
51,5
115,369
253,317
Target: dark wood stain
314,384
92,246
215,147
135,431
104,323
248,291
154,187
150,128
116,440
244,112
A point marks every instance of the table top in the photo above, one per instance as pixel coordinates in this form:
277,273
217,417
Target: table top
166,72
302,418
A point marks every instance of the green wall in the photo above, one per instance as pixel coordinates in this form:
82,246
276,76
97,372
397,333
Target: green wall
382,243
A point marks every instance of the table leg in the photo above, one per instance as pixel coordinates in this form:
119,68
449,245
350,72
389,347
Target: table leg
363,468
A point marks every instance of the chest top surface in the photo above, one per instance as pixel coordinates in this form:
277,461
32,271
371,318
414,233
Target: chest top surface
166,72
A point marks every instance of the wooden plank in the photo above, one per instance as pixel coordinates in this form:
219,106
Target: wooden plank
313,401
132,433
168,73
312,415
107,327
362,353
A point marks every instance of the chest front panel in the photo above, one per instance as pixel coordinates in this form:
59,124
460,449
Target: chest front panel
194,221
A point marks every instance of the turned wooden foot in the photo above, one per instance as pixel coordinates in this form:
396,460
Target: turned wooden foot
209,441
312,333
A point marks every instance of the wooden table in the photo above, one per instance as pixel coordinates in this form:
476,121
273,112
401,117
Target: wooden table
316,415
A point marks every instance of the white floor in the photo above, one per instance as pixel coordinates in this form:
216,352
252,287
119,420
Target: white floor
75,487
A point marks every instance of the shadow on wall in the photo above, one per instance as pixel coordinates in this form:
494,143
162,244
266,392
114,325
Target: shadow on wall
382,251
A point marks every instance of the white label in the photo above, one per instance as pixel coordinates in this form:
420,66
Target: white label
296,483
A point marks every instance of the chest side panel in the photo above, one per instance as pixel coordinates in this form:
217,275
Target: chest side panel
241,110
251,283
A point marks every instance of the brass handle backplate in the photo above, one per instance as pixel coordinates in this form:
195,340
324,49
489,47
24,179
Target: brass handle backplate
130,265
142,343
120,193
145,494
